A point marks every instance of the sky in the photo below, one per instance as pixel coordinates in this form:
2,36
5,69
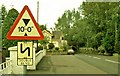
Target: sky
49,10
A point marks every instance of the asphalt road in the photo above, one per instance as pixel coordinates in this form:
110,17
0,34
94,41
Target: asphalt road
104,63
75,64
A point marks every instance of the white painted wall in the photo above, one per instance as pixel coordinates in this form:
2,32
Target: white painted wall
13,57
39,56
36,59
20,69
12,66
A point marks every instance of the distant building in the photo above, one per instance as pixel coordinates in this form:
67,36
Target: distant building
58,39
48,34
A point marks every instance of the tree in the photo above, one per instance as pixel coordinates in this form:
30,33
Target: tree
65,22
44,41
7,23
3,13
108,43
68,24
102,17
100,21
116,19
75,28
43,27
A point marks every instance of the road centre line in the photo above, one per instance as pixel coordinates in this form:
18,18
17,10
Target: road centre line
89,56
96,58
104,59
111,61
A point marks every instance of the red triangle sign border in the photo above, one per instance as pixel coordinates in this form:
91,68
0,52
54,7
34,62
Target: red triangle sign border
9,37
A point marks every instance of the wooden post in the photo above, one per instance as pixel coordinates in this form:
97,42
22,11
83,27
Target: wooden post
3,54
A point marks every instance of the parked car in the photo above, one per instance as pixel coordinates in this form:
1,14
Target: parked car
70,51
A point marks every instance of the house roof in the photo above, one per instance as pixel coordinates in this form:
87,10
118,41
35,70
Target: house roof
48,32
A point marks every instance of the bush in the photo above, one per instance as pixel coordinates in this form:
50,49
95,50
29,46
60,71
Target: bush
101,49
51,45
45,47
88,51
56,48
40,47
64,48
108,42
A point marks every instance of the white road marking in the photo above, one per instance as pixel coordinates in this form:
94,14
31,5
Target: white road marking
89,56
96,58
105,59
111,61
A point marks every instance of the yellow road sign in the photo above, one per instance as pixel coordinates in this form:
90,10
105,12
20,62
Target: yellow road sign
25,27
25,53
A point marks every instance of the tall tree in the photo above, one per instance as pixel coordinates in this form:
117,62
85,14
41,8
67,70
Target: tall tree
7,23
3,13
101,16
73,27
100,21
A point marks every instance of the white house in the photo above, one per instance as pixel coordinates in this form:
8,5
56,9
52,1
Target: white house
47,33
57,39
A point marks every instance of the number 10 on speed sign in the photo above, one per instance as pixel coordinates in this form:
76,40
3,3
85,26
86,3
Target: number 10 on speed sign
25,53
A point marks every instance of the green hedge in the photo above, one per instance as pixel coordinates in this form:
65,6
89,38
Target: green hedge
88,51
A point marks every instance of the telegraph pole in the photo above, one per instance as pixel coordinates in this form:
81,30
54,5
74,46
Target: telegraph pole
37,18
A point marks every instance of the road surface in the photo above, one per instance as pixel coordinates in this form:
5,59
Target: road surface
75,64
104,63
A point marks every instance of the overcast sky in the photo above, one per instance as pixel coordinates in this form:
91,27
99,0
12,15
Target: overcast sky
49,10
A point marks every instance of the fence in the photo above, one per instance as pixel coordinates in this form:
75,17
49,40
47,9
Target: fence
5,68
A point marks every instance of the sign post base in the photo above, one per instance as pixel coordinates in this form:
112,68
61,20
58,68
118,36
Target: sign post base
25,70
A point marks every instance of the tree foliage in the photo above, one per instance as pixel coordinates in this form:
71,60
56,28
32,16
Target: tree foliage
3,13
43,27
7,23
45,41
94,24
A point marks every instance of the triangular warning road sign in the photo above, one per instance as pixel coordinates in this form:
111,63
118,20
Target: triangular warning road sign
26,21
25,27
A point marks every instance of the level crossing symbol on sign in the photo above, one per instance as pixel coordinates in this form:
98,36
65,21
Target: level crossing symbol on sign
25,27
25,53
